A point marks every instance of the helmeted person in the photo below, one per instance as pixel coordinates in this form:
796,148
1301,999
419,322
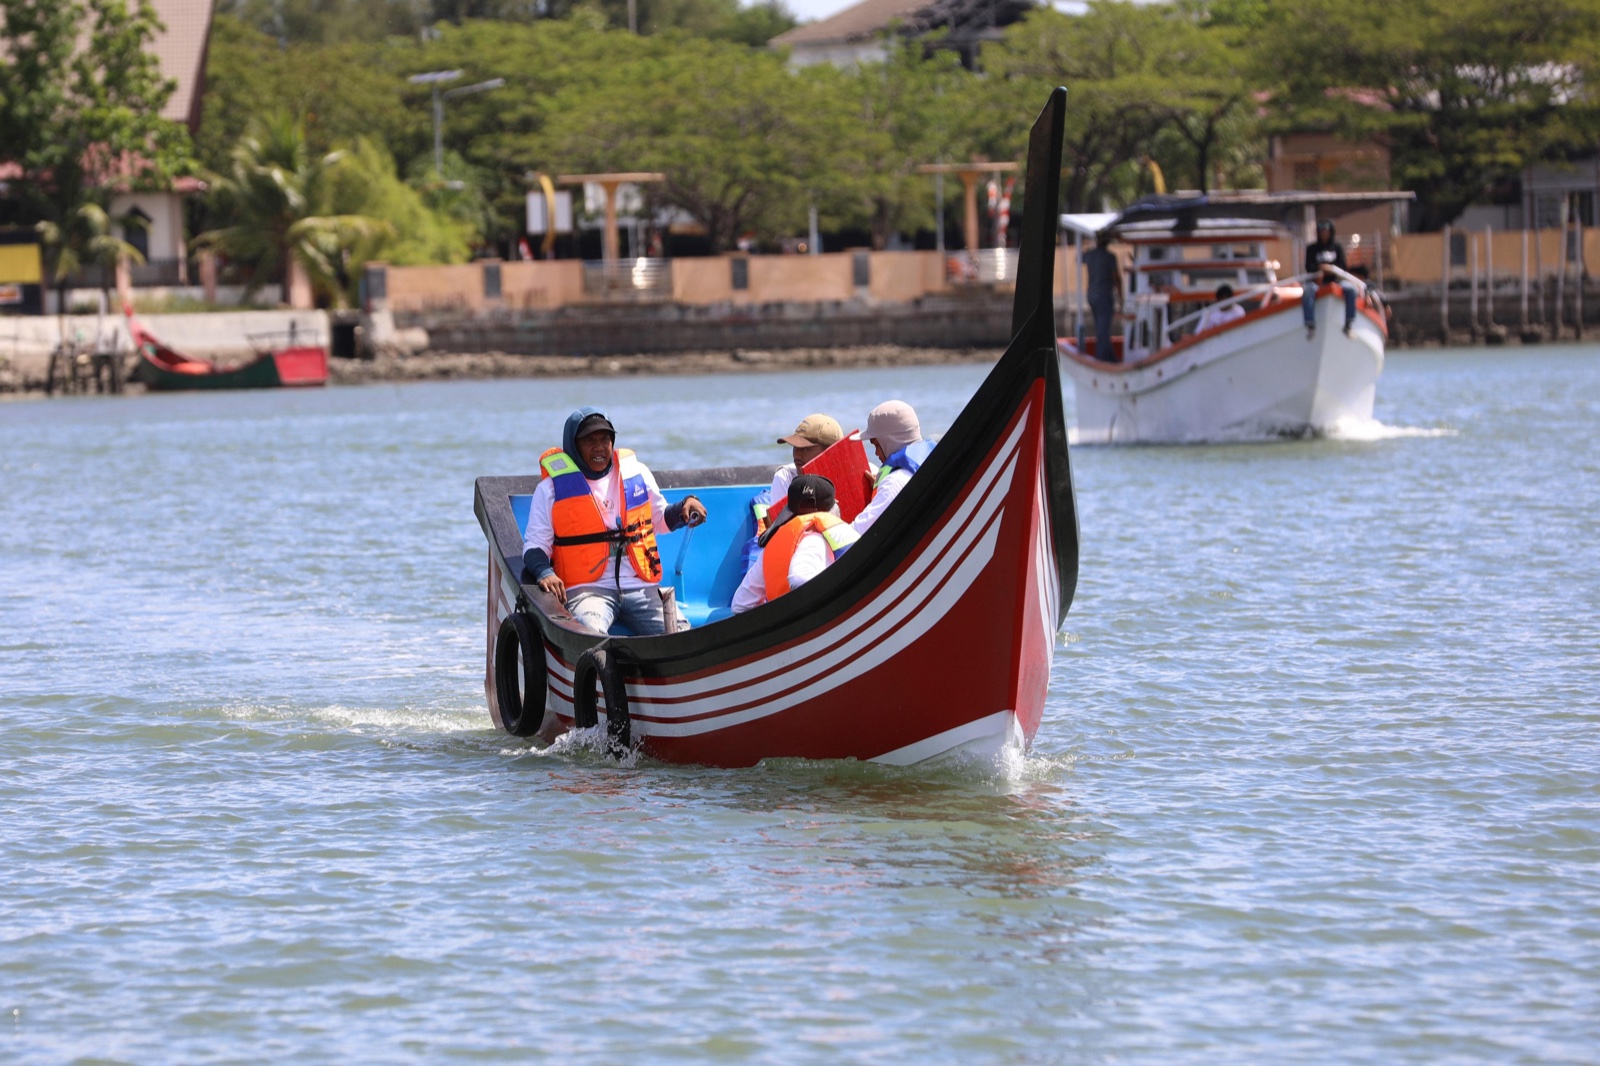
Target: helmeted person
799,548
896,436
814,435
1321,259
592,526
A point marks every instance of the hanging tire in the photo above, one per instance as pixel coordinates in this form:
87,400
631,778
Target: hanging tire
521,709
598,666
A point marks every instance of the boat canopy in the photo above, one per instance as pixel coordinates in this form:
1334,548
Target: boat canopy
1287,209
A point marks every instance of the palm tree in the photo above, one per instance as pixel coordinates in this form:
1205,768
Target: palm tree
83,238
277,194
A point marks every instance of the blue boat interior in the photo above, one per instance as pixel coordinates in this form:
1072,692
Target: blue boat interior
705,564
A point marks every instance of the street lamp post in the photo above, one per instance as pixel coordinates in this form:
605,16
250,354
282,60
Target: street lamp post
434,79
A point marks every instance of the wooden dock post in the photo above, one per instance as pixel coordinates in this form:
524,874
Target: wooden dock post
1444,291
1577,283
1488,282
1523,324
1561,272
1472,282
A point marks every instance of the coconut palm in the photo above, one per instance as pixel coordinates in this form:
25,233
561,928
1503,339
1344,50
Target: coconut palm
83,238
276,192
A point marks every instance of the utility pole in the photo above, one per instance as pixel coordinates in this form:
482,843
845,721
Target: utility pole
433,80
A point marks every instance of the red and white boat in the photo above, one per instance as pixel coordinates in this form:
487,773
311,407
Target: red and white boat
1257,376
932,638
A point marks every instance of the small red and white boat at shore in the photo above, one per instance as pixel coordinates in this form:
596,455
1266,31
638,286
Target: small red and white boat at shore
931,638
1257,375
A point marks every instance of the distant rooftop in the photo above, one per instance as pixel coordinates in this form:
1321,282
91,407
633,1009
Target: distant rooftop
181,50
969,22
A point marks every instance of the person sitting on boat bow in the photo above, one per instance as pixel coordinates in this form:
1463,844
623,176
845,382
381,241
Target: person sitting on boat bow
896,435
592,525
799,548
1321,257
1216,315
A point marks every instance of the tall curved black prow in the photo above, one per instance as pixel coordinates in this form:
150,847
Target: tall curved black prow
1033,324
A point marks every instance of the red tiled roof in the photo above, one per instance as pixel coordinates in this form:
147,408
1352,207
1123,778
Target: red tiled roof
856,23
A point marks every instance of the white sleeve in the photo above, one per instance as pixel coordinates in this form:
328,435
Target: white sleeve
779,492
752,591
541,531
658,502
880,501
810,559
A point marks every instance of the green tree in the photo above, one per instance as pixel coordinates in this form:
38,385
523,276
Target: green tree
80,106
84,238
1464,93
1109,58
278,194
898,117
732,129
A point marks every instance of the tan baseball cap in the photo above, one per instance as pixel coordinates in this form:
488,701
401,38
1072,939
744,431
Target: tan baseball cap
812,430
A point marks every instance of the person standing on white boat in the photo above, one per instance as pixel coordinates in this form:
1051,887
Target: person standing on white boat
592,525
799,548
896,436
1321,256
1216,315
1103,277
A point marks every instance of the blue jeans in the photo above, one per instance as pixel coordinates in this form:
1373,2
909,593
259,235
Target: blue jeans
1308,302
599,608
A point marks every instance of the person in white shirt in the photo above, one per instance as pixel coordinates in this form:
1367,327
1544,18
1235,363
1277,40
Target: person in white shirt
592,525
798,549
1215,316
896,435
813,436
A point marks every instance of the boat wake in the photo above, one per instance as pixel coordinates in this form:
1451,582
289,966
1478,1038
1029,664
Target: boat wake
1370,429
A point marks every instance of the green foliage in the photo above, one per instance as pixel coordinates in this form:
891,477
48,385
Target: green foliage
737,136
896,117
1464,92
280,196
368,185
80,105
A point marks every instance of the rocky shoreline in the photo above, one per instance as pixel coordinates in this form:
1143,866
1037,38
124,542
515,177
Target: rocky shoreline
24,377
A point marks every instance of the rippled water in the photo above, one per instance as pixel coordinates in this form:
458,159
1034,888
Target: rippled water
1318,780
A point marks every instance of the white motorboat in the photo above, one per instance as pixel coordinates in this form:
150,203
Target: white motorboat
1258,375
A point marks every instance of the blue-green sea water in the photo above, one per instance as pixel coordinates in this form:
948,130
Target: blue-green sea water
1319,779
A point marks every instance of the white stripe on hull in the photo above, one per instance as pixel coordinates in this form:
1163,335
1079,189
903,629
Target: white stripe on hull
982,738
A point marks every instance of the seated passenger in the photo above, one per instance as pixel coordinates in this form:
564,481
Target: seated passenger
896,435
810,439
1220,316
592,526
799,548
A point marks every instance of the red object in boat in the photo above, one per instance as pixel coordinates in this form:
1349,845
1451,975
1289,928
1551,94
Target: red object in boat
845,464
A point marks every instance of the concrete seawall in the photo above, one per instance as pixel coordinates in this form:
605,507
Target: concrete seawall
964,321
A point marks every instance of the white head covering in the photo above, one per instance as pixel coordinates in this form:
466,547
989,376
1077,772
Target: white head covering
893,424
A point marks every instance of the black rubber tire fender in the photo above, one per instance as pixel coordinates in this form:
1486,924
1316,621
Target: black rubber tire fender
599,665
520,713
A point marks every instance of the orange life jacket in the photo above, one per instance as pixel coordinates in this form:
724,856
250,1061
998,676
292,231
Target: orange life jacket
780,549
584,544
